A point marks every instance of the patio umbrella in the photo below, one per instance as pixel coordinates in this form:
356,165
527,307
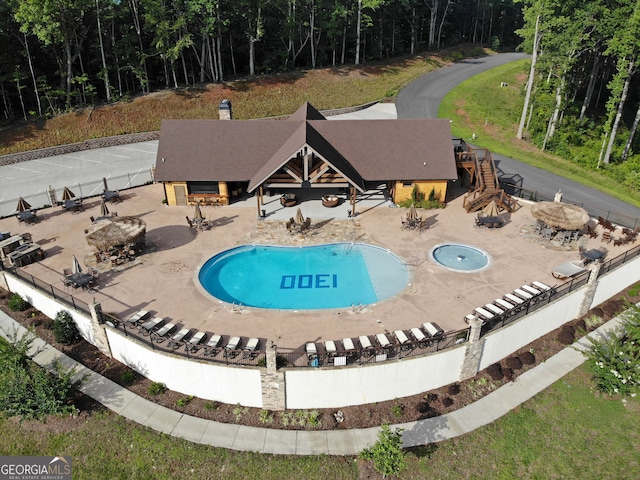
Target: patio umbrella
491,210
560,215
23,205
113,231
413,213
104,211
104,182
198,214
67,194
299,217
76,268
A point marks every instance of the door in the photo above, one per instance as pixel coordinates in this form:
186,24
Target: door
181,194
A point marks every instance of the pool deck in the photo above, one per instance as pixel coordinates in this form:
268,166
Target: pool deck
164,281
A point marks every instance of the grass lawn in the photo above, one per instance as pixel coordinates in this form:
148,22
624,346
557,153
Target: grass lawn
568,431
481,106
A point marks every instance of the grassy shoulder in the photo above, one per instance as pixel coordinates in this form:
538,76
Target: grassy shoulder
568,431
483,107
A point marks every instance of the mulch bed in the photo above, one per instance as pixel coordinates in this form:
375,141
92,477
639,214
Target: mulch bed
424,405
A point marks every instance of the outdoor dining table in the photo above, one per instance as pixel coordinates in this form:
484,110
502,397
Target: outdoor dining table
8,245
593,255
80,280
27,217
111,196
73,205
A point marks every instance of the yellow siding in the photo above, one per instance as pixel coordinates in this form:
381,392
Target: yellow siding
171,193
402,192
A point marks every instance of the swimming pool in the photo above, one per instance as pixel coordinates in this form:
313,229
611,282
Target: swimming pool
304,278
460,258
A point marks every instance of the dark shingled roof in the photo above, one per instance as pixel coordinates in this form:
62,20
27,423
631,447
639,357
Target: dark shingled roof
249,150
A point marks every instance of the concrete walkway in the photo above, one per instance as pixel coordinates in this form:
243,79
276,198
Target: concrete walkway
287,442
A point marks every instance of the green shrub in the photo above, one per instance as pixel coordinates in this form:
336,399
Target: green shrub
265,416
614,360
386,454
454,389
127,377
17,303
239,411
527,358
210,406
157,388
447,401
495,371
567,335
64,329
513,363
28,391
397,410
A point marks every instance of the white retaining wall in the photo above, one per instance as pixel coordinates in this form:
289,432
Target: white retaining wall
356,385
206,380
616,280
503,342
50,307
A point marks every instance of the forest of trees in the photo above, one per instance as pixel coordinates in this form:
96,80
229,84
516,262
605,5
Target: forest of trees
61,54
582,100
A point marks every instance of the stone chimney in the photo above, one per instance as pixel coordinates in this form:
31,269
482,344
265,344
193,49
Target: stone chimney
224,110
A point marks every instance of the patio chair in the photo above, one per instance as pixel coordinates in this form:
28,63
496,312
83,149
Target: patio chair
151,325
432,329
138,316
606,236
383,340
232,345
312,354
403,340
567,270
160,334
176,340
193,343
349,347
420,337
211,348
250,348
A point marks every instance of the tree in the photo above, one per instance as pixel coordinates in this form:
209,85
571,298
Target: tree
57,23
386,454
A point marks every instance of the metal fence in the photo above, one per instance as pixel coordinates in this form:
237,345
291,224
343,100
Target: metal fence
56,293
90,188
615,262
184,348
364,356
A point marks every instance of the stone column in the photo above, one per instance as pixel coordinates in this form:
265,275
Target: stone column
273,383
473,354
97,326
592,286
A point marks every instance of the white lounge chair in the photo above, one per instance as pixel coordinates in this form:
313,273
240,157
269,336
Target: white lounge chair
138,316
148,326
418,334
432,329
197,338
330,347
504,304
348,345
531,290
233,343
164,330
250,348
177,338
401,336
212,345
383,340
483,314
494,309
514,299
541,286
522,294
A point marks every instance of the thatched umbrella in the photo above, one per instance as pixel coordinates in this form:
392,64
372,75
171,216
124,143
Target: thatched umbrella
110,232
299,217
23,205
491,210
104,211
67,194
198,213
560,215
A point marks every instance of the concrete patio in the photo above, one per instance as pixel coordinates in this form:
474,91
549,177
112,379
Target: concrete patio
165,280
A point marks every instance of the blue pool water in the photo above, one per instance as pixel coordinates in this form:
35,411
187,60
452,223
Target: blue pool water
298,278
461,258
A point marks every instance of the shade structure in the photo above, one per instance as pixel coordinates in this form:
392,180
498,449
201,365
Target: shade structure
23,205
413,213
75,266
491,210
67,194
198,213
560,215
110,232
299,217
104,211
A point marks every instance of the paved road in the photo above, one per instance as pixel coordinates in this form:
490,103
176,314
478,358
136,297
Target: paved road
421,99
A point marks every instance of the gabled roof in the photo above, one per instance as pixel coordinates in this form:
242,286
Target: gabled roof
250,151
306,136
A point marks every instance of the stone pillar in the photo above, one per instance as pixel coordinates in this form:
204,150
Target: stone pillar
473,354
592,286
97,326
273,383
3,280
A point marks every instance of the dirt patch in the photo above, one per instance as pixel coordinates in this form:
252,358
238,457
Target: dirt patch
424,405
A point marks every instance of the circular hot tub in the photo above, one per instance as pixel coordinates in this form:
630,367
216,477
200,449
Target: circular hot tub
460,258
